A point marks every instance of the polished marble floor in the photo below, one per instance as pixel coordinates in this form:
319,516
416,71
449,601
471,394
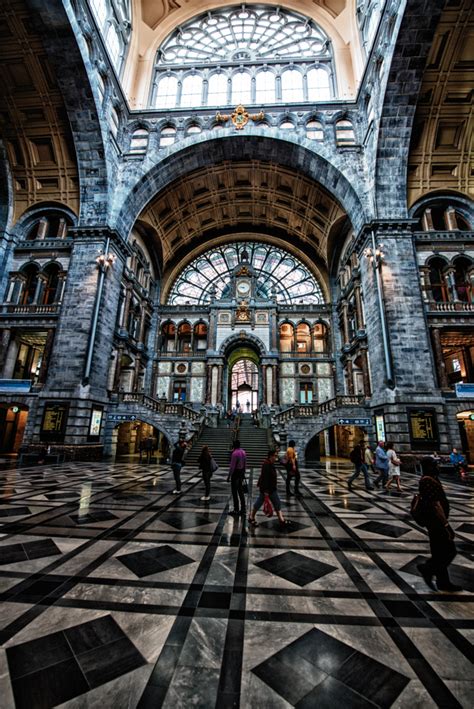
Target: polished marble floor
117,593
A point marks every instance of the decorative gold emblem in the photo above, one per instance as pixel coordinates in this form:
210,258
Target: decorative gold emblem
243,271
242,314
240,117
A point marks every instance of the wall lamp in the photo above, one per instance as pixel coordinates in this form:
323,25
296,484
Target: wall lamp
376,255
104,260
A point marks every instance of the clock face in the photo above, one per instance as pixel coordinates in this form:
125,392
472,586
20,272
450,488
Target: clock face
243,288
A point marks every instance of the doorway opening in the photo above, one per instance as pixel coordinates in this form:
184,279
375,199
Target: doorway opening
244,385
466,431
334,442
12,427
137,441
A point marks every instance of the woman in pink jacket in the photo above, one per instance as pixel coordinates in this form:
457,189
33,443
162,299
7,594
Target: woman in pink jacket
238,461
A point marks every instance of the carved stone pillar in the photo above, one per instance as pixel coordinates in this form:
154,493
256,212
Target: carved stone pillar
220,368
208,383
345,323
275,384
350,378
449,277
269,385
118,367
438,353
126,310
359,311
365,372
427,221
450,218
4,343
425,283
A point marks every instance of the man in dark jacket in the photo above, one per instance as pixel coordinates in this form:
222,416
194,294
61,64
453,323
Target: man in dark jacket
177,463
267,484
436,510
357,457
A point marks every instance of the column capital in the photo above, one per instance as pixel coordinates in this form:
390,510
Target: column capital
94,234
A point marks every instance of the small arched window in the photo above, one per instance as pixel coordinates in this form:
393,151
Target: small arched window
287,125
463,266
241,88
191,90
265,87
217,90
193,129
318,85
30,274
166,92
438,286
314,130
51,284
184,338
168,333
292,86
303,338
167,136
345,133
200,337
139,141
320,338
287,337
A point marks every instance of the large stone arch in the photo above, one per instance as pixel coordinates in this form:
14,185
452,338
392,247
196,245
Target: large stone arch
209,149
62,38
407,67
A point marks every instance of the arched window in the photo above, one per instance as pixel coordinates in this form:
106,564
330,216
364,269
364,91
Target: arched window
368,14
245,41
168,334
287,125
463,266
166,92
139,141
184,338
50,226
200,337
193,129
292,86
345,133
318,85
320,338
303,338
241,88
51,284
265,87
167,136
314,130
287,337
277,273
217,90
439,289
191,91
30,274
114,20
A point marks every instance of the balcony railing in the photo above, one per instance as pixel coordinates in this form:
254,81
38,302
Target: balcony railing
307,410
450,307
159,406
33,309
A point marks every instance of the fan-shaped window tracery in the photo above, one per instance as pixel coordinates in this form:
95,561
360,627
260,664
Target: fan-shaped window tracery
277,272
262,55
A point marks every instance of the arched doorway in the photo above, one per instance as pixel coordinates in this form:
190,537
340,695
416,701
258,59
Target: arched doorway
243,379
137,441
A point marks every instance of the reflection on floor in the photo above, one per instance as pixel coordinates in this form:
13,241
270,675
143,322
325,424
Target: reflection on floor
116,593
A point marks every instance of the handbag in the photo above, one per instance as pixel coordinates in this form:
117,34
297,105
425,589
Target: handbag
267,506
213,466
417,510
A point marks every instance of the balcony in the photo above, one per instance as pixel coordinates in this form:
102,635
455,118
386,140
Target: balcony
449,307
33,309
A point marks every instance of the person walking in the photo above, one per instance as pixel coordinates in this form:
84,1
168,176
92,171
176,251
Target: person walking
458,462
177,464
357,457
267,485
381,464
207,466
369,459
292,469
238,463
435,506
393,467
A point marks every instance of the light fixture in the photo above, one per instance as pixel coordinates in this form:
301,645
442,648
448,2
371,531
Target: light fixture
104,260
376,255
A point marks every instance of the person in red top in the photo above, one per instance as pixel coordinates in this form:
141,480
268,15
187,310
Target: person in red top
267,484
441,535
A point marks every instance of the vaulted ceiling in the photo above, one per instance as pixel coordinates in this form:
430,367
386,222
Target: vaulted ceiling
228,198
33,119
441,154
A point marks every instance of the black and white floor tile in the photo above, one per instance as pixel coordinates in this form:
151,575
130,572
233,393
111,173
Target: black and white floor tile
115,592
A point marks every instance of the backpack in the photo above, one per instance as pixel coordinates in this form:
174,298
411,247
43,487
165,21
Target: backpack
354,455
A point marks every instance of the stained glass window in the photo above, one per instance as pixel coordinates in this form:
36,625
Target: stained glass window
278,273
251,47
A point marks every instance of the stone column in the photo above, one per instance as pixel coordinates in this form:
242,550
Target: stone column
450,218
208,383
220,368
43,373
269,385
4,344
451,283
214,384
350,377
358,302
365,372
345,324
438,353
275,384
425,283
427,221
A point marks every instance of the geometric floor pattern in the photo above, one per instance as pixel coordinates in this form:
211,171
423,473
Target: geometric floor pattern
116,593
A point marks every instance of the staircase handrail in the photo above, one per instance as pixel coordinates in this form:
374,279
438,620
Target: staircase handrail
175,409
306,410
